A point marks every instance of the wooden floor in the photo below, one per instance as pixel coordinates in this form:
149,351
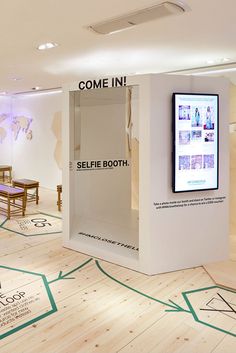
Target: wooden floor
105,308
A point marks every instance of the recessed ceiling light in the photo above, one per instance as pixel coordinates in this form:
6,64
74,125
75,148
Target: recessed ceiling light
210,62
16,78
46,46
36,88
218,61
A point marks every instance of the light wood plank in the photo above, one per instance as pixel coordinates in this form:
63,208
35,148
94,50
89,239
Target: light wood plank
98,314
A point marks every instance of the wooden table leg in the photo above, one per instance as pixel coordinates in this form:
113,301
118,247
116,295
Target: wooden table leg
59,200
13,185
8,208
24,204
37,195
10,176
26,195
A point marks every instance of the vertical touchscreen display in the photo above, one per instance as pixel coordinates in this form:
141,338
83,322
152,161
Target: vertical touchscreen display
195,142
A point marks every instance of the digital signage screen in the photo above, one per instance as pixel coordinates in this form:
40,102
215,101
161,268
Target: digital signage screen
195,142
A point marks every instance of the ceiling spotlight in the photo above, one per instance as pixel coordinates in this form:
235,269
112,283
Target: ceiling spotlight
218,61
129,20
17,78
225,60
36,88
46,46
210,62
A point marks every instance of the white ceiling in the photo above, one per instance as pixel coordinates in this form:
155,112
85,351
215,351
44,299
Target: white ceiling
207,32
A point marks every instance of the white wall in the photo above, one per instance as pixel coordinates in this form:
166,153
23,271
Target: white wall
35,158
5,131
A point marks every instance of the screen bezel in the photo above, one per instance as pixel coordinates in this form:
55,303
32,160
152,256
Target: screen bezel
174,95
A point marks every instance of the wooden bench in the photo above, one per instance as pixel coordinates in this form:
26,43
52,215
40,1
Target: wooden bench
8,196
6,168
28,184
59,200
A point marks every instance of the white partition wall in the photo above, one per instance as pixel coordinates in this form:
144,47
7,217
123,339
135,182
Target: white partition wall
196,233
5,130
118,202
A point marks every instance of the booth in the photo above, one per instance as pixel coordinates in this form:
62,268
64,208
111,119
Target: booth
121,198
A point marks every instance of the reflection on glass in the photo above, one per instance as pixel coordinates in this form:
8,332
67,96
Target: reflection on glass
106,149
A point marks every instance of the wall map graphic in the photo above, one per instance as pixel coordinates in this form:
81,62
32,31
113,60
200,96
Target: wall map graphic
28,298
16,126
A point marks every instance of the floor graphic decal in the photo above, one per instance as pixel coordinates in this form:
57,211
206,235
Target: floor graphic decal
23,302
27,298
198,302
34,224
222,306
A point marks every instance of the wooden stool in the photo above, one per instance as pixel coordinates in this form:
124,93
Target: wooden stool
59,200
6,168
27,184
9,195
